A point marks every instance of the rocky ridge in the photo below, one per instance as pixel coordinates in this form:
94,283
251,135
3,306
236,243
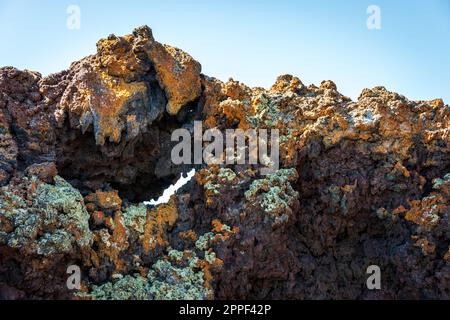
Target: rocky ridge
360,183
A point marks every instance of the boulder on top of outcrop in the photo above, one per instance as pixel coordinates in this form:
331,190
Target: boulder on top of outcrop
127,84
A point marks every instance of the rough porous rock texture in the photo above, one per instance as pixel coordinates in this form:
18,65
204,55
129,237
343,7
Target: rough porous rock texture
360,183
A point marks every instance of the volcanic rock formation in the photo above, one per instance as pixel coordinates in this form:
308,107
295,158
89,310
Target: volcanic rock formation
360,183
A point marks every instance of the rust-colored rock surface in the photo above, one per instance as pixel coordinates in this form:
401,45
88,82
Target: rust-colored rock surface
360,183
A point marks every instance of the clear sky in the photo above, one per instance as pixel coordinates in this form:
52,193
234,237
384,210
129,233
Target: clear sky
252,41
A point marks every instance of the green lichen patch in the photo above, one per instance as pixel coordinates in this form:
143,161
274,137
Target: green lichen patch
174,277
175,280
274,194
134,217
267,113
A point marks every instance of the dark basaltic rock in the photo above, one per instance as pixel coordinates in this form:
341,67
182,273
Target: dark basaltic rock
360,183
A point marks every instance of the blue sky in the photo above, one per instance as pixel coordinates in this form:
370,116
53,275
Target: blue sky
253,41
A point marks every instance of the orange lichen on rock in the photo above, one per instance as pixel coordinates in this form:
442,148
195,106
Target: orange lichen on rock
226,104
234,110
98,217
116,54
340,161
208,268
114,242
447,255
399,210
287,83
190,234
159,221
178,73
217,225
107,90
119,234
236,90
222,232
119,240
101,100
44,171
427,212
400,168
111,103
426,246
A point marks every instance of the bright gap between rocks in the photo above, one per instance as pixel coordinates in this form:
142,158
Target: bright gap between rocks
171,190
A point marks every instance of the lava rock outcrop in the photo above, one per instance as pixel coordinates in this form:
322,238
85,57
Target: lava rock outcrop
360,183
